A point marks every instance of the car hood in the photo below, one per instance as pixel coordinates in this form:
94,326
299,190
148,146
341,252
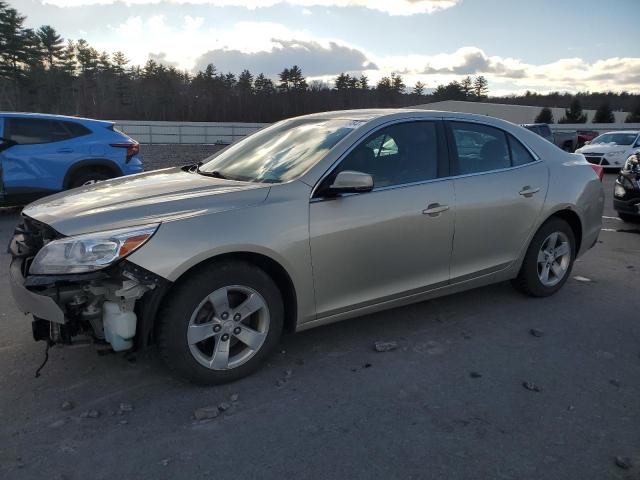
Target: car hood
603,148
161,195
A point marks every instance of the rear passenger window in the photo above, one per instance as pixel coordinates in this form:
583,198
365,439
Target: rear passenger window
29,131
396,155
519,154
75,129
480,148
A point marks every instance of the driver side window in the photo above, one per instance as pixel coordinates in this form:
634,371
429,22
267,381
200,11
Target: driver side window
396,155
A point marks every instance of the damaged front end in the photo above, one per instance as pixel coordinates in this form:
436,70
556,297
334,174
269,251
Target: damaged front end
113,303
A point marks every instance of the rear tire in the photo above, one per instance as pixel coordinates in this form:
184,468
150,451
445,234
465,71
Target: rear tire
552,252
232,299
90,176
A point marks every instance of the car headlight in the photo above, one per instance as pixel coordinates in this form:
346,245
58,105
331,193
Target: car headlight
631,165
614,153
89,252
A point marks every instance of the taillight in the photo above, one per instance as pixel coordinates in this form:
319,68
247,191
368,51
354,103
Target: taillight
132,148
599,171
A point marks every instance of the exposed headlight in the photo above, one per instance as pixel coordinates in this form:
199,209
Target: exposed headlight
614,153
89,252
631,165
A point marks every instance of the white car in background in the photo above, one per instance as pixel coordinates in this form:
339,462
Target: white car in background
611,149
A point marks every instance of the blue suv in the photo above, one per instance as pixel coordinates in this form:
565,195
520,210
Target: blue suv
43,154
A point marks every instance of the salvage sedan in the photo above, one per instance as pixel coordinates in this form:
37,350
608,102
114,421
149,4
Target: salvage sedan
310,221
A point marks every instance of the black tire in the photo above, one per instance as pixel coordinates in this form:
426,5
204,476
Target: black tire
185,298
528,281
625,217
90,175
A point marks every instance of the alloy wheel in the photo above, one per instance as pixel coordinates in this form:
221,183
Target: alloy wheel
554,259
228,327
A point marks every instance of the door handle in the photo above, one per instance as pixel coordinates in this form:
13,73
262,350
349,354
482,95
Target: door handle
65,150
435,209
528,191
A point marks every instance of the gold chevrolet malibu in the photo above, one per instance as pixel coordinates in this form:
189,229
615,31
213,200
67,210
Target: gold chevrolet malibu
310,221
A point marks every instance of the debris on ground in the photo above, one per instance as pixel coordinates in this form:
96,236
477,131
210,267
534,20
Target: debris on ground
206,413
571,408
623,462
578,278
223,406
123,422
234,397
475,375
531,386
536,332
385,346
281,382
615,383
58,423
67,405
90,414
164,462
288,373
366,365
126,407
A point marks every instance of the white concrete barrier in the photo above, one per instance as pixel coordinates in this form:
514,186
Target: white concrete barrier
148,132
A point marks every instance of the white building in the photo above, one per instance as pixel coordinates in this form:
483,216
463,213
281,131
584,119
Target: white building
513,113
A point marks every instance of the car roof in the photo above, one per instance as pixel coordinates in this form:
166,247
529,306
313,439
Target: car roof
50,116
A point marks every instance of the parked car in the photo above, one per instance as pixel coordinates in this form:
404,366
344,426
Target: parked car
567,141
44,154
626,194
586,136
312,220
611,149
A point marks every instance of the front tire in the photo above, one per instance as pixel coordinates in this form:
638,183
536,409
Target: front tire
89,176
548,261
220,323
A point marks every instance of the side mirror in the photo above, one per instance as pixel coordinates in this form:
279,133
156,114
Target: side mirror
350,182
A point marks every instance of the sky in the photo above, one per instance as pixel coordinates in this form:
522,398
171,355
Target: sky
518,45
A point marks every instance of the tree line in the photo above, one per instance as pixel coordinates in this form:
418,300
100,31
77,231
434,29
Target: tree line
40,71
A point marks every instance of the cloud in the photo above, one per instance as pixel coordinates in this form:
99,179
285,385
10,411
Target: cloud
313,57
392,7
161,58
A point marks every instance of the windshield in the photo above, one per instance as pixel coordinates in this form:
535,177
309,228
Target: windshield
279,153
617,138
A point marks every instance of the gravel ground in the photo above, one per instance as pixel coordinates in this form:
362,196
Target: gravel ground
459,387
162,156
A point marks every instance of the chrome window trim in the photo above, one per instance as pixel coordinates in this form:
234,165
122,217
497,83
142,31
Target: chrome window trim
535,156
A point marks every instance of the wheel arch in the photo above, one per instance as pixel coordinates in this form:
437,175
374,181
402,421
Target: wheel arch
573,219
271,267
88,164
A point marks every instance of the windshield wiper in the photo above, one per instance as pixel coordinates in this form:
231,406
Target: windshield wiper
215,173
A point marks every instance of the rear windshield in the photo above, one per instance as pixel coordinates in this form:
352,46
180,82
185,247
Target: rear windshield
617,138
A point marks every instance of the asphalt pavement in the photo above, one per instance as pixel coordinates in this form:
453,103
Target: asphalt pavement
448,403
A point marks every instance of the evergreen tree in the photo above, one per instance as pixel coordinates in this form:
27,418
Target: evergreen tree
363,83
481,87
604,114
52,45
634,115
574,113
245,83
397,83
467,86
545,116
418,88
263,85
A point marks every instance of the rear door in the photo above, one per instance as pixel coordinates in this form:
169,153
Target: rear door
39,160
500,188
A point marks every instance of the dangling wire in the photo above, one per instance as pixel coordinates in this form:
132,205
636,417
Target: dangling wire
46,357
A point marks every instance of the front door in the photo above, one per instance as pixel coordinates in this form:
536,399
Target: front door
500,189
395,240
